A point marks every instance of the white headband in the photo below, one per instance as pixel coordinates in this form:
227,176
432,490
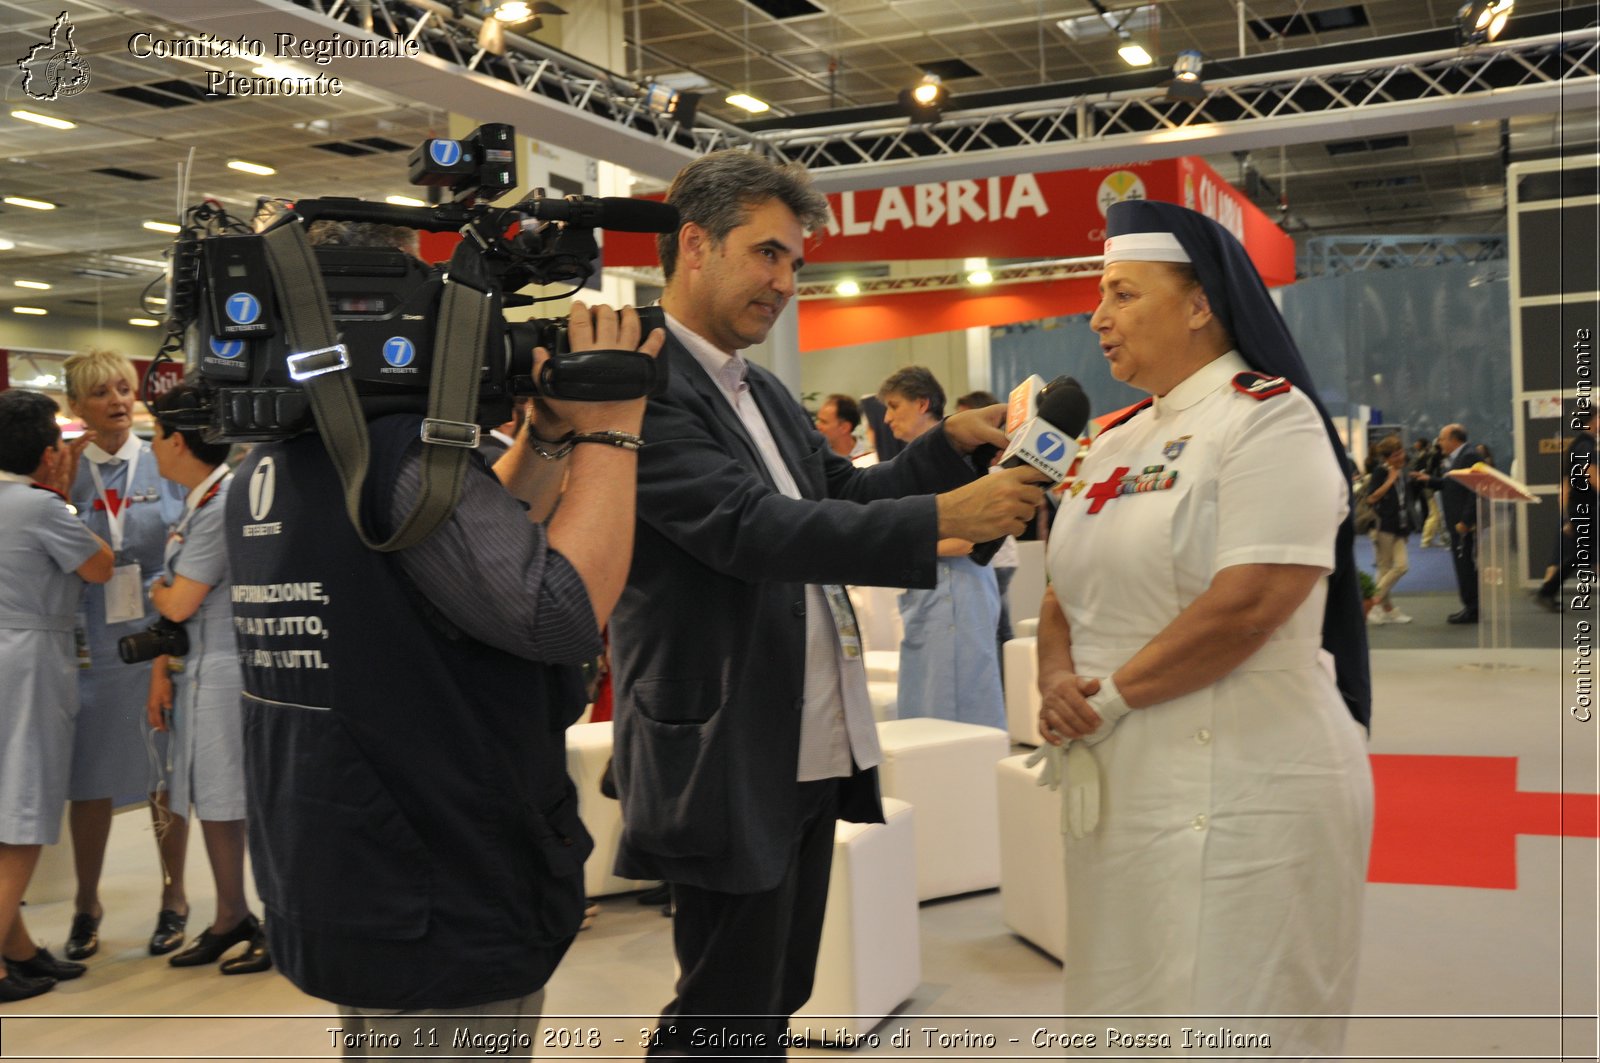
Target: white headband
1145,247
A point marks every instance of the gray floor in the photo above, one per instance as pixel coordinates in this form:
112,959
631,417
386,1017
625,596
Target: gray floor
1448,972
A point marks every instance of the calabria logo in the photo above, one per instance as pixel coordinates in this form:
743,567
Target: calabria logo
55,69
263,486
399,351
1052,447
445,152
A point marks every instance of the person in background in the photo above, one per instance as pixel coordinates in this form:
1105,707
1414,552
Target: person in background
1460,508
1386,492
46,555
121,497
881,443
837,421
196,697
1216,833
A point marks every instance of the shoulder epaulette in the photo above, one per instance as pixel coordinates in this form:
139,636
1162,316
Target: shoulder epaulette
46,487
1129,414
1260,387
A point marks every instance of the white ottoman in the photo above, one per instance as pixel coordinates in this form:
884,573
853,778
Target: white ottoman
1021,663
878,616
1033,873
885,698
946,770
1028,582
1025,628
883,666
588,752
871,956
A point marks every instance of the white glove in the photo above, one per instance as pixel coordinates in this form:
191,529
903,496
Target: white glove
1077,767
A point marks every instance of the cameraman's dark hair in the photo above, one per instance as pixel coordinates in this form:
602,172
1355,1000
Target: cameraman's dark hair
27,429
186,396
718,191
976,400
915,382
364,234
845,409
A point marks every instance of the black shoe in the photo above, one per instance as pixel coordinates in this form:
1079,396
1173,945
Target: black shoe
209,947
252,960
84,940
43,965
1465,616
169,931
15,987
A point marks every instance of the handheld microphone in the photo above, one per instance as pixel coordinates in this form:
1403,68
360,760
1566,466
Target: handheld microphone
1048,441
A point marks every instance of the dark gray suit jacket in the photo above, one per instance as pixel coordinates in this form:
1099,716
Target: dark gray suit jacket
708,641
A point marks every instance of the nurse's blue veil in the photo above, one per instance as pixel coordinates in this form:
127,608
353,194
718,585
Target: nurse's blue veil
1240,300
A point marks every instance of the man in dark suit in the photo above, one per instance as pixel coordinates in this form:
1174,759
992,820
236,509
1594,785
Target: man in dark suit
743,730
1460,507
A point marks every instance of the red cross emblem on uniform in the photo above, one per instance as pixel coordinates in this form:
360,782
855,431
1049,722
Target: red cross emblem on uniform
112,501
1107,489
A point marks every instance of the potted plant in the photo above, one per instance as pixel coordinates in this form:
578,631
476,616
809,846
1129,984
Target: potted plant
1369,590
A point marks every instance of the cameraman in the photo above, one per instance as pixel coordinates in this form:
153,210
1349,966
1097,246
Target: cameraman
414,834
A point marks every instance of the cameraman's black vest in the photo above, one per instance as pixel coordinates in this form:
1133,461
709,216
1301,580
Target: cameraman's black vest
414,834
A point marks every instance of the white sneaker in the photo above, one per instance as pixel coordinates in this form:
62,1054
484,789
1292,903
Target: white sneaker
1395,616
1376,617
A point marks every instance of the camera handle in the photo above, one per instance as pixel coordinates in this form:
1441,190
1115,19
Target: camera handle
449,430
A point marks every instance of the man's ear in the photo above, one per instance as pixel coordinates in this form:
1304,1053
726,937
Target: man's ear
694,244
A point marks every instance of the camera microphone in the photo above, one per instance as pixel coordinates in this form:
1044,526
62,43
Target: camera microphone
617,213
1047,440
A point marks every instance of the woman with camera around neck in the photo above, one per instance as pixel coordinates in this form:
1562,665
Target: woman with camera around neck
120,497
46,555
195,695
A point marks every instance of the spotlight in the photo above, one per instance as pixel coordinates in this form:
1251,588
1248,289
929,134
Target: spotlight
980,277
1482,20
672,103
847,288
1186,86
925,100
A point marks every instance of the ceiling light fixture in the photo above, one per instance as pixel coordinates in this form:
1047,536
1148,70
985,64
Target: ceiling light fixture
44,119
1186,86
39,286
926,100
162,227
1133,53
31,204
144,322
749,103
251,167
980,277
1482,20
847,288
672,103
513,11
404,201
6,245
31,311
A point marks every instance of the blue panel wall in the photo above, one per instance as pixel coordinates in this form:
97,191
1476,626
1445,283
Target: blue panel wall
1424,346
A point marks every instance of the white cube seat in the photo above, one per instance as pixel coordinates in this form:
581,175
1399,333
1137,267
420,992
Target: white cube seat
588,752
1033,873
885,698
870,961
883,666
946,770
1025,628
1021,664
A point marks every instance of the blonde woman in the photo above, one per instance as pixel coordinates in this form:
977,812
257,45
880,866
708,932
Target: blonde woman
121,497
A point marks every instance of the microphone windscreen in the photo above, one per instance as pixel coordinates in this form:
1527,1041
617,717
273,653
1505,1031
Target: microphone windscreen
1064,404
637,215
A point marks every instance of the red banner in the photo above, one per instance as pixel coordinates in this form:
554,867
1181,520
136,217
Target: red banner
1046,215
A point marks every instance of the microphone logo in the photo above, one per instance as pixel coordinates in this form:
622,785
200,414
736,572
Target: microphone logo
1052,447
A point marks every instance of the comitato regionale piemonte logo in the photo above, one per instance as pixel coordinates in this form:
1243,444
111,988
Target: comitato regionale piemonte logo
55,69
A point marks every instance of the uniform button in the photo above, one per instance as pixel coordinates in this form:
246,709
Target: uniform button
798,608
1199,822
1202,736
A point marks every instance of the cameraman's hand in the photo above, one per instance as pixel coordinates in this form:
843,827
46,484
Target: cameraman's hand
600,329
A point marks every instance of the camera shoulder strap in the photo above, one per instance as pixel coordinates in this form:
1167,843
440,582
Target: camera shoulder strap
453,393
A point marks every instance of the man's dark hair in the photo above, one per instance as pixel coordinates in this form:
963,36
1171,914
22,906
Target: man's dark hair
27,429
186,396
845,409
718,191
976,400
327,233
915,382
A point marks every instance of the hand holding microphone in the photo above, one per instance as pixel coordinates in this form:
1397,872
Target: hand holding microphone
1044,438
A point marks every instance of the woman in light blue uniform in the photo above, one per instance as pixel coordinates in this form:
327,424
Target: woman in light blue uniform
45,556
195,696
120,495
949,665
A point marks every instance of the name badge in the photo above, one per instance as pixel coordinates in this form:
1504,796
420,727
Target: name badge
844,620
125,595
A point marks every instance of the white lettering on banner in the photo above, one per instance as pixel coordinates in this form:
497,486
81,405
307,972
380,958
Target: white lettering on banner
1223,209
929,206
